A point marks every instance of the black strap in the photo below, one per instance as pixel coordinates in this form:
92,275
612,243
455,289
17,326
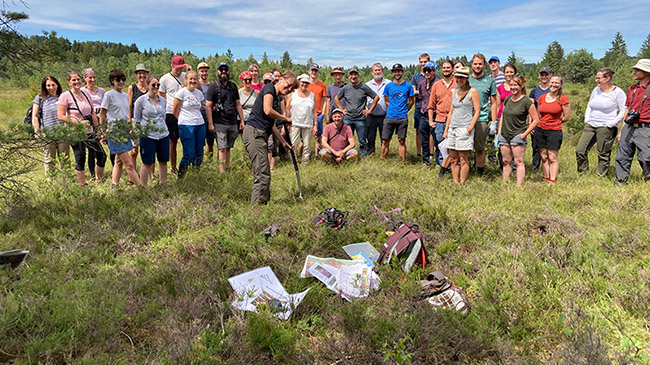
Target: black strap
645,95
177,80
248,98
75,102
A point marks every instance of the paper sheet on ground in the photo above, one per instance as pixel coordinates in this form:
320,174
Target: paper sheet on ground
261,286
349,278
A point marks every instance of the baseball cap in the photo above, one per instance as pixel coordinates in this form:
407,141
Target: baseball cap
337,110
223,64
314,66
430,65
353,69
267,77
546,68
303,78
178,61
462,72
397,66
140,67
494,58
337,70
201,65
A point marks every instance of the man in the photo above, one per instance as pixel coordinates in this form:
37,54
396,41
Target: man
338,140
333,90
399,97
497,75
222,99
545,74
424,92
261,124
355,95
635,134
375,120
319,90
415,81
204,72
439,106
487,90
170,83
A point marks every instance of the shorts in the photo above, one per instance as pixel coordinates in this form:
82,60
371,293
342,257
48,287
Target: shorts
481,134
391,125
117,148
347,154
226,135
459,140
549,139
514,141
152,148
319,125
172,126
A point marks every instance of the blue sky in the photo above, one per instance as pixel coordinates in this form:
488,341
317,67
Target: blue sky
344,32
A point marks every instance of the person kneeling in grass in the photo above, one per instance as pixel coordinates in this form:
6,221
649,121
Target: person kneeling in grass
115,109
338,140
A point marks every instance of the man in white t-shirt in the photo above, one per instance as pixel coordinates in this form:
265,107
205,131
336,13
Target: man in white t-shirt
170,83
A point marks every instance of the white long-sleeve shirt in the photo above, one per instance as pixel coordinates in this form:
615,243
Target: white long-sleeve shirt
605,109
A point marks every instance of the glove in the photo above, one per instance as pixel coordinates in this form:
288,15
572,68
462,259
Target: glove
493,129
496,142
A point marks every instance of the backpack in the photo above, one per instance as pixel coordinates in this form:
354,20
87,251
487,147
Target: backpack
407,241
441,292
28,115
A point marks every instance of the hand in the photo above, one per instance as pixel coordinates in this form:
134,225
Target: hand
469,130
618,137
345,111
241,126
339,159
444,135
286,145
523,136
432,124
210,128
103,140
338,154
315,130
365,111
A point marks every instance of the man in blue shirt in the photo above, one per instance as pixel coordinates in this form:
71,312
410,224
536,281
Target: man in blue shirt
399,96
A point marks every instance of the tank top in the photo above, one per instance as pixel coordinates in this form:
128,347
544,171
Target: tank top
302,110
135,90
463,111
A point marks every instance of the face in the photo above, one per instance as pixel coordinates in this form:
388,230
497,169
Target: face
191,80
177,70
460,81
377,72
639,75
276,76
247,81
153,85
304,86
477,65
494,65
337,118
338,77
446,69
118,83
287,87
142,75
509,72
601,79
422,61
354,77
204,72
75,81
91,79
51,87
556,83
397,74
428,73
313,73
544,77
254,72
223,73
458,65
515,89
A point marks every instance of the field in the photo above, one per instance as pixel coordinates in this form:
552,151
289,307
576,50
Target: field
555,274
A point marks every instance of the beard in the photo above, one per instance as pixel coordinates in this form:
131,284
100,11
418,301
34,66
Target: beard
378,78
223,78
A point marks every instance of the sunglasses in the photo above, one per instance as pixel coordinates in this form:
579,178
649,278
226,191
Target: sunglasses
120,79
155,85
248,80
426,71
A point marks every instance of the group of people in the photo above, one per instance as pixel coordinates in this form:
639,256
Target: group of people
464,109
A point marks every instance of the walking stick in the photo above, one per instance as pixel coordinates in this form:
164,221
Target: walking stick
293,158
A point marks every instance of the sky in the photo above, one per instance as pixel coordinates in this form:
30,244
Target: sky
344,32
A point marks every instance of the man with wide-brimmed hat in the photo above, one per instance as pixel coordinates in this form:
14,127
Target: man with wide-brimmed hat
635,134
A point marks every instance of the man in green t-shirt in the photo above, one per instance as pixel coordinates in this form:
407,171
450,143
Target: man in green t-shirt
487,91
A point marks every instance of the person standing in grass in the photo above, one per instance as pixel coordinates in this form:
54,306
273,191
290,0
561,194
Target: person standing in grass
554,109
46,102
301,106
375,120
338,140
503,91
333,90
462,118
260,125
134,91
438,109
247,94
114,113
187,110
319,89
417,117
605,110
545,73
514,128
424,88
487,90
204,83
75,106
399,97
170,83
96,153
150,110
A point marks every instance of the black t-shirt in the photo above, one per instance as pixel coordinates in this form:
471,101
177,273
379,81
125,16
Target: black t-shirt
258,118
226,95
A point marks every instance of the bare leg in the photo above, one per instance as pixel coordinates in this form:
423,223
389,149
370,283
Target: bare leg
145,171
162,174
81,177
506,155
455,169
518,153
480,158
543,152
464,165
385,145
553,164
222,159
401,149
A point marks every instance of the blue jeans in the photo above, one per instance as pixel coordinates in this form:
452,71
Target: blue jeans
360,127
192,138
437,138
425,131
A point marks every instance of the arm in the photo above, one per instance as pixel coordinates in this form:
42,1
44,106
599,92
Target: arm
375,100
338,104
176,108
476,103
347,148
431,108
278,136
410,103
566,112
326,111
129,92
532,112
102,118
137,112
498,103
208,114
386,101
622,109
163,94
315,115
268,110
35,124
240,112
62,115
494,109
451,111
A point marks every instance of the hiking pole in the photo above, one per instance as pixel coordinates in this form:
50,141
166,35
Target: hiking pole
293,158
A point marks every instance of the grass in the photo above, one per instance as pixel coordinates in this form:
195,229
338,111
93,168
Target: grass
554,273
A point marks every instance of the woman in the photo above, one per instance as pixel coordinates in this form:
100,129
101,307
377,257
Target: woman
554,109
514,128
96,153
150,110
605,110
47,101
74,106
115,115
503,90
134,91
254,71
301,107
247,94
191,127
459,130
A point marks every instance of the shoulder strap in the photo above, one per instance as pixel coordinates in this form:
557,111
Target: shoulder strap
249,97
75,102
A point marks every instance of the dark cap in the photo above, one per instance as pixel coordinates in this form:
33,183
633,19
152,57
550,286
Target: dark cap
546,68
397,66
223,64
337,70
337,110
353,69
314,66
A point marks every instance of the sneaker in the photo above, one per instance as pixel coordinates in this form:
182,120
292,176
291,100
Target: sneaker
174,172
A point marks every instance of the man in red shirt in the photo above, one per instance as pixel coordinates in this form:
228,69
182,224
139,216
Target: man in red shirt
338,140
635,134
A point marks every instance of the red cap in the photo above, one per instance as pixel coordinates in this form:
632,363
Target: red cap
178,61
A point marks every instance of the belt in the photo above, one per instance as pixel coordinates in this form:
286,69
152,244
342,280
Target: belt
639,125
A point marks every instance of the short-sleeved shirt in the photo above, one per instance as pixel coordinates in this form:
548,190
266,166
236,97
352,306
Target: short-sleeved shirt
636,102
355,100
258,118
116,104
190,113
486,87
204,89
319,90
503,94
257,86
536,93
247,101
416,80
550,114
440,99
144,111
424,90
500,79
85,106
338,139
49,108
514,116
380,108
398,96
227,95
96,97
332,91
170,85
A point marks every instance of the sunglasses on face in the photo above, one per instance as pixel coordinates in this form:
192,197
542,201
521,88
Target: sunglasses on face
426,71
248,80
155,85
120,79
